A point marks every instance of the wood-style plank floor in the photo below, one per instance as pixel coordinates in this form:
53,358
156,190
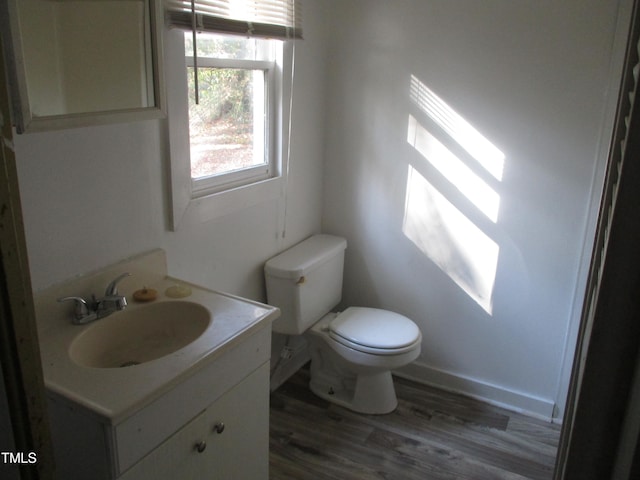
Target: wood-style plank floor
432,435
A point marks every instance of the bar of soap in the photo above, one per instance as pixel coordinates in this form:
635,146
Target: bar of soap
178,291
145,295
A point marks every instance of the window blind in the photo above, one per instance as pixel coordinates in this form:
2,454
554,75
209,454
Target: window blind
256,18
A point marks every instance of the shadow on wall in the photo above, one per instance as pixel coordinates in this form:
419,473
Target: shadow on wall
458,170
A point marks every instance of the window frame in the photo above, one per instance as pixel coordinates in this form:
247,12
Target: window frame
236,178
187,208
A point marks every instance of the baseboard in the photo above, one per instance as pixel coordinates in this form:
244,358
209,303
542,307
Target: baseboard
493,394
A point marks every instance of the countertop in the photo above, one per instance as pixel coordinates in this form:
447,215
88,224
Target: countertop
116,393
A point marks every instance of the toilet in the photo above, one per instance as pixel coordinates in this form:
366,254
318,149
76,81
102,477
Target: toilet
353,351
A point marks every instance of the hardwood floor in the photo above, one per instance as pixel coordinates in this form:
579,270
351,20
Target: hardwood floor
432,435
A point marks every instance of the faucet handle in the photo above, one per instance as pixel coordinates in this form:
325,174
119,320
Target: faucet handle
81,308
112,288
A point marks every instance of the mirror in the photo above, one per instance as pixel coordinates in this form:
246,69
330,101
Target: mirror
84,62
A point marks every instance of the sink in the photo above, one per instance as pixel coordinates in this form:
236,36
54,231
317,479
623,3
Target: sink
139,334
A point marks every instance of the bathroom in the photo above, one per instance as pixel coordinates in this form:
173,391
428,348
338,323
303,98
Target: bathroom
499,323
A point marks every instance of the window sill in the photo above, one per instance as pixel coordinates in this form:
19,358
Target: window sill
193,211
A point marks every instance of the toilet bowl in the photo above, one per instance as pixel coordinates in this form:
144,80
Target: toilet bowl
352,352
351,361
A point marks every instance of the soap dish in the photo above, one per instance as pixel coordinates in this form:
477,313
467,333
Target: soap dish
178,291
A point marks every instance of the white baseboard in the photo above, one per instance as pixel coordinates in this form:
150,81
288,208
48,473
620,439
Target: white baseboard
493,394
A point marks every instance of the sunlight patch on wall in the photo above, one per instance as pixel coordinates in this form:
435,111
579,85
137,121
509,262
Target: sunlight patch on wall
453,169
452,241
463,251
481,149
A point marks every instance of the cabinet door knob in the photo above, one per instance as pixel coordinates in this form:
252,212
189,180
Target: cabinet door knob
201,446
218,427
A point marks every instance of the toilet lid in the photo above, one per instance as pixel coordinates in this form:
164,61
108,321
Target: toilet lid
374,328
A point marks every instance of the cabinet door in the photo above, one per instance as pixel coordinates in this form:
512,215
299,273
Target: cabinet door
228,441
177,457
239,431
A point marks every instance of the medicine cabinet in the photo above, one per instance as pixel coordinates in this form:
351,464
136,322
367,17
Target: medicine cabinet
83,62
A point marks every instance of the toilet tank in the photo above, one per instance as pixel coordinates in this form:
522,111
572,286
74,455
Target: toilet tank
305,282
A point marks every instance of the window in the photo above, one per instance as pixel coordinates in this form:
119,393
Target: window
229,149
231,128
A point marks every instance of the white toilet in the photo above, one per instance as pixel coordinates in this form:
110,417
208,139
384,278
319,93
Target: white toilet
352,352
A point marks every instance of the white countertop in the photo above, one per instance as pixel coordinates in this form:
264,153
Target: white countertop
116,393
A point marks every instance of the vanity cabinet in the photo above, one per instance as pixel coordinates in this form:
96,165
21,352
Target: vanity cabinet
226,441
213,424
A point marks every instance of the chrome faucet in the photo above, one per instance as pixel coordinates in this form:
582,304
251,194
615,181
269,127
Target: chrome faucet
85,312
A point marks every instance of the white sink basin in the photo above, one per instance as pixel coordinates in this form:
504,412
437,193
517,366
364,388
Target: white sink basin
139,334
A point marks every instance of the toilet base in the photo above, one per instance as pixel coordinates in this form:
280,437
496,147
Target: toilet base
359,381
360,388
364,393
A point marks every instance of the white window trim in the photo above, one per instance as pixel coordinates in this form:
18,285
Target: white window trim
226,180
187,208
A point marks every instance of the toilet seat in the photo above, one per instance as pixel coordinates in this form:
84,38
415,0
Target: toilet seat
375,331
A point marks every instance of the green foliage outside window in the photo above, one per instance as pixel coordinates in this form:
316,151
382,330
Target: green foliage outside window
224,94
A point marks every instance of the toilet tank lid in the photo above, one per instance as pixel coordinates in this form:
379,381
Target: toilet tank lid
298,260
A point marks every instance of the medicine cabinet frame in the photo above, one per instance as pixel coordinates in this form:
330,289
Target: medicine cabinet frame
26,122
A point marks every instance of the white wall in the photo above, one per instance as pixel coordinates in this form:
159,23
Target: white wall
532,78
93,196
